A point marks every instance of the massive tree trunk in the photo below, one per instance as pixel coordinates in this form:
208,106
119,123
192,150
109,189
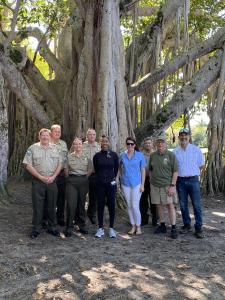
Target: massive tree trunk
3,139
99,91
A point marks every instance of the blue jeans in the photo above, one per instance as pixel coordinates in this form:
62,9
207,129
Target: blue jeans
190,186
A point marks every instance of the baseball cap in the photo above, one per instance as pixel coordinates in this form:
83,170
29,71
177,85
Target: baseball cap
184,130
161,136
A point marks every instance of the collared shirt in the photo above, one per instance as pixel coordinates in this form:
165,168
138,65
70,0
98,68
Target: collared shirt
44,160
78,164
190,160
62,147
147,157
162,166
131,168
91,150
106,164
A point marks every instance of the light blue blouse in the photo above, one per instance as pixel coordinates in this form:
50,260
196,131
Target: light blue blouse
131,175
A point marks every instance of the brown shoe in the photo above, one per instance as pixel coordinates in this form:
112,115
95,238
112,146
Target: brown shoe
138,230
132,231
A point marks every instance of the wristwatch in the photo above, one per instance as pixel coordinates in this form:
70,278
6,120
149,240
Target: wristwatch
172,184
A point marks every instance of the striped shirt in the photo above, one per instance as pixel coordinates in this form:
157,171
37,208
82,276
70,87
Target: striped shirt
189,160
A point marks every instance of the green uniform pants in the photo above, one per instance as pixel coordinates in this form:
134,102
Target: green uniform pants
76,191
42,192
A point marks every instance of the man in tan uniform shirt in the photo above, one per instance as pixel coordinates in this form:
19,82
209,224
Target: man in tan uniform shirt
91,147
44,162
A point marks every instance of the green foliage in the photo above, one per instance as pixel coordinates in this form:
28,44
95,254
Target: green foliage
49,14
40,63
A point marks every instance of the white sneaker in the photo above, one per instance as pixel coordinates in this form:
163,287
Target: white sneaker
100,232
112,233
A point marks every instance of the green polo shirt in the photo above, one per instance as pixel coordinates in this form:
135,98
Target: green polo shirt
161,167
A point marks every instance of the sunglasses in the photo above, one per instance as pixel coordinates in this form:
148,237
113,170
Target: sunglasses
130,144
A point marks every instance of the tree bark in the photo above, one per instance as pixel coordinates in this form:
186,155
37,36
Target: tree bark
208,46
18,85
4,141
183,99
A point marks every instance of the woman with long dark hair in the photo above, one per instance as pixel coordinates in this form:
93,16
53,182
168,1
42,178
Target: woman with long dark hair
132,164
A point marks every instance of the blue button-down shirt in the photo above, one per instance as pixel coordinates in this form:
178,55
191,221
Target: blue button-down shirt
131,168
189,160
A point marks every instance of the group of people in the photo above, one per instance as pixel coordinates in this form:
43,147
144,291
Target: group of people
61,180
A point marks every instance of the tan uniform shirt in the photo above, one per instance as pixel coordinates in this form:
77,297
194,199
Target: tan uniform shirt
78,164
44,160
91,150
62,147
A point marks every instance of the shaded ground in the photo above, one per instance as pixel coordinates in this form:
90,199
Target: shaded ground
142,267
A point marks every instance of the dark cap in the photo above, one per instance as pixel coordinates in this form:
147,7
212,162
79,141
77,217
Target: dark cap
184,130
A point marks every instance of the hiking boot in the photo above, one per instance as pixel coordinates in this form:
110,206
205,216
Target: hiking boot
112,233
198,233
185,229
100,233
160,229
173,234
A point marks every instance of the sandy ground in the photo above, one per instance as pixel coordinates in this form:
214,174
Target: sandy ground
82,267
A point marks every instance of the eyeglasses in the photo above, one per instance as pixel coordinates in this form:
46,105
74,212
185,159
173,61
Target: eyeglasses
130,144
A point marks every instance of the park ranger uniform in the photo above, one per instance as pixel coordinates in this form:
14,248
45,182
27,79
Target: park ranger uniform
76,189
45,161
91,150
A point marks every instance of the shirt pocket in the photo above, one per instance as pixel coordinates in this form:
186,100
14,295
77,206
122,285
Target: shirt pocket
38,159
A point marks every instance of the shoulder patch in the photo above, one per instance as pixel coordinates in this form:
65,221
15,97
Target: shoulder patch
29,152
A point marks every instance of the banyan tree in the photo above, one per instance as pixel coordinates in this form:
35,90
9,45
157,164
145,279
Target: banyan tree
122,67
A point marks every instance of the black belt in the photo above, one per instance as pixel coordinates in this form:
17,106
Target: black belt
187,177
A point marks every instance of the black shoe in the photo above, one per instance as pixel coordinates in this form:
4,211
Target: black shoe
34,234
84,231
61,223
67,233
199,234
160,229
53,232
173,234
185,229
92,219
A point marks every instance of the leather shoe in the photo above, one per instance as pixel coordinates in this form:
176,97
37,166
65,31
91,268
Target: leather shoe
84,231
34,234
53,232
92,219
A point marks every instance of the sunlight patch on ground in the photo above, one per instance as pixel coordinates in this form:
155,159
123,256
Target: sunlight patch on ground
138,280
219,214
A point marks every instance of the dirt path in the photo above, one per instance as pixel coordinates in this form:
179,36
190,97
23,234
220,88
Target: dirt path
143,267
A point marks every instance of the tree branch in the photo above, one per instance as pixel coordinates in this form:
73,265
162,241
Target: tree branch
182,99
213,43
13,24
18,85
46,53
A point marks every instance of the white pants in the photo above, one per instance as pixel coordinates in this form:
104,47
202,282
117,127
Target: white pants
132,196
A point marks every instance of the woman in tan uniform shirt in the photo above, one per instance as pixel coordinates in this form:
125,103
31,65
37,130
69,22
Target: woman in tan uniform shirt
76,187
